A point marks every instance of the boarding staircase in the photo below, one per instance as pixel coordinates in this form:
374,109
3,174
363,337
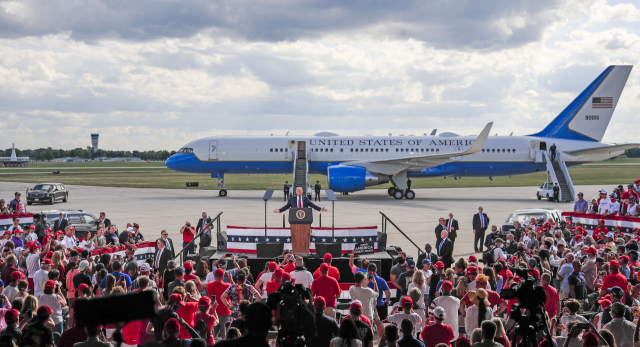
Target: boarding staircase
559,174
300,174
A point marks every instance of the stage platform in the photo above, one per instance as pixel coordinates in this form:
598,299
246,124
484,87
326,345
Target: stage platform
383,260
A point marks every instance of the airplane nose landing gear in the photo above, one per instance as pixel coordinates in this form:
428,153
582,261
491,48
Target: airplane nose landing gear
220,185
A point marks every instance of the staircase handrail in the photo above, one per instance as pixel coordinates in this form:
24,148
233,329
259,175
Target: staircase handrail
565,171
551,171
386,219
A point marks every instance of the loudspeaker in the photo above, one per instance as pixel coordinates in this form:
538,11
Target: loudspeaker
207,251
195,258
222,240
269,250
335,249
382,241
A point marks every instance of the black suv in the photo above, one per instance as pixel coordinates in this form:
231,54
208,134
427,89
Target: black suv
47,193
83,221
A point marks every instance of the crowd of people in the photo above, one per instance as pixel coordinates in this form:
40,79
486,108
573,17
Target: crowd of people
619,202
591,284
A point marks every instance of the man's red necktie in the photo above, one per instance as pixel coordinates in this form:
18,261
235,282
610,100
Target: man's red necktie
299,203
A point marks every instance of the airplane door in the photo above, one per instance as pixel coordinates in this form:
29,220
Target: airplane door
533,149
213,150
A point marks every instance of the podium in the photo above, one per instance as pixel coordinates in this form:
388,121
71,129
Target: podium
300,220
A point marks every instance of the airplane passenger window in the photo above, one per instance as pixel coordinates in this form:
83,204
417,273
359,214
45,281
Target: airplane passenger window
387,150
320,149
316,150
508,150
271,149
503,150
396,149
366,149
281,150
341,150
331,149
326,149
401,149
371,149
513,150
351,149
437,149
483,150
285,150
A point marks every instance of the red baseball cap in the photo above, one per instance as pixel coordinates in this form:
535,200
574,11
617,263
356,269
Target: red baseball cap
473,259
406,302
286,276
177,298
32,226
604,302
49,254
204,301
50,284
624,258
273,266
324,267
82,286
327,257
47,262
439,265
319,302
188,265
17,231
579,236
355,307
11,315
517,279
614,264
16,275
278,272
44,310
219,272
447,285
592,250
172,325
472,270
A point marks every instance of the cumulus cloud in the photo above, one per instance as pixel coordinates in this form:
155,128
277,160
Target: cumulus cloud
155,75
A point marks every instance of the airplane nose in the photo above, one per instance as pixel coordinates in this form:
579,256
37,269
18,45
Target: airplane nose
171,162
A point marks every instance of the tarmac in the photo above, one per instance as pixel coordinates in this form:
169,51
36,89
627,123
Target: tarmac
170,209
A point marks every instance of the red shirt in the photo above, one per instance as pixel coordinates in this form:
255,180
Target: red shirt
272,286
187,312
187,235
552,301
534,272
333,272
494,298
188,278
615,280
45,240
289,267
507,275
596,233
217,288
326,287
72,336
632,265
437,333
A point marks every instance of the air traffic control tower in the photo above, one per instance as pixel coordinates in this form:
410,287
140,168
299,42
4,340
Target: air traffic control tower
94,141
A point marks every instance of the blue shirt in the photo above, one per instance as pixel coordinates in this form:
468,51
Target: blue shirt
581,205
117,275
499,284
410,341
382,286
225,279
565,271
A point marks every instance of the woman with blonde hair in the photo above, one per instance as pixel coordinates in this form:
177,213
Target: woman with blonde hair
419,282
480,311
501,336
191,290
461,288
59,263
450,275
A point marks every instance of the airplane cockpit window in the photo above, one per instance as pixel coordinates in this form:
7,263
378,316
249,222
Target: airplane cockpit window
186,150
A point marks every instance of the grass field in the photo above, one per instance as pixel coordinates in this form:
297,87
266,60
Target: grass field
156,175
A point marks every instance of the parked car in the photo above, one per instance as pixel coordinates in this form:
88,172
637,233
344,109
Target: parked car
80,219
524,216
47,193
545,191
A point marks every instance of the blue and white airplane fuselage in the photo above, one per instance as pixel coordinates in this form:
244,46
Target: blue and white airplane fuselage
576,133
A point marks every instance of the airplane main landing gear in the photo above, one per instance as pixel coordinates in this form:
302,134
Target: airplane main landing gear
398,194
410,195
391,191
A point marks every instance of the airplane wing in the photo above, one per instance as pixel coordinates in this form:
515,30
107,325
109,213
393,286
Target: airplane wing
603,150
394,165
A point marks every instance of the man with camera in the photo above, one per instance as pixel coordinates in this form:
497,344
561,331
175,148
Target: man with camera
188,234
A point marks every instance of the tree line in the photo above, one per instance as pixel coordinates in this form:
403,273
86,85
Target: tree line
85,153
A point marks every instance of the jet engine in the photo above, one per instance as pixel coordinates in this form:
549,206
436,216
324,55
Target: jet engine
349,178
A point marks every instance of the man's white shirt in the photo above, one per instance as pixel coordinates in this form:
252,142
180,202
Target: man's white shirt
39,278
302,277
70,242
33,264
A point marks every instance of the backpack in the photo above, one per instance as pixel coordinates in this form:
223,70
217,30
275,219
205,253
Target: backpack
487,257
201,327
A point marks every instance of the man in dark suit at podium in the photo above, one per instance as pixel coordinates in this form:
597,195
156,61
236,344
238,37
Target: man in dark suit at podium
299,201
445,250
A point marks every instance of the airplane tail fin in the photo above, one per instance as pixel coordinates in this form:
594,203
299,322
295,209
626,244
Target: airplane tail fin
587,116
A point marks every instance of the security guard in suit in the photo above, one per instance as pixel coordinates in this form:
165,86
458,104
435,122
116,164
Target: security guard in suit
286,190
408,184
316,188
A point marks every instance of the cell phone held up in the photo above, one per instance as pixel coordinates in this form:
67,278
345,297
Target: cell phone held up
583,326
213,298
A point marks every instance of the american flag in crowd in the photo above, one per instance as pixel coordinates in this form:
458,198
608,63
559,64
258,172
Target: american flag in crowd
602,102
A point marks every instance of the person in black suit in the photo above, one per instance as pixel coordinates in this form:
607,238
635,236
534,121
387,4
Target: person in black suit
441,226
479,224
103,219
60,223
422,256
317,188
452,228
287,187
445,250
201,222
168,243
299,201
163,255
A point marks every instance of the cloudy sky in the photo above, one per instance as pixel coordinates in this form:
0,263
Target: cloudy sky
157,74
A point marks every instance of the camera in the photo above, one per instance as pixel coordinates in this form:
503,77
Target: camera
188,225
296,323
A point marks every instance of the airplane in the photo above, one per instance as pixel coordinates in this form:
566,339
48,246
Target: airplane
352,163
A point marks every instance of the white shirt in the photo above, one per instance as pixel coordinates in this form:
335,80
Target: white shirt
451,305
52,301
427,274
570,318
367,297
33,264
10,292
498,253
84,245
422,290
471,321
623,330
302,277
70,242
398,317
39,278
633,210
266,277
